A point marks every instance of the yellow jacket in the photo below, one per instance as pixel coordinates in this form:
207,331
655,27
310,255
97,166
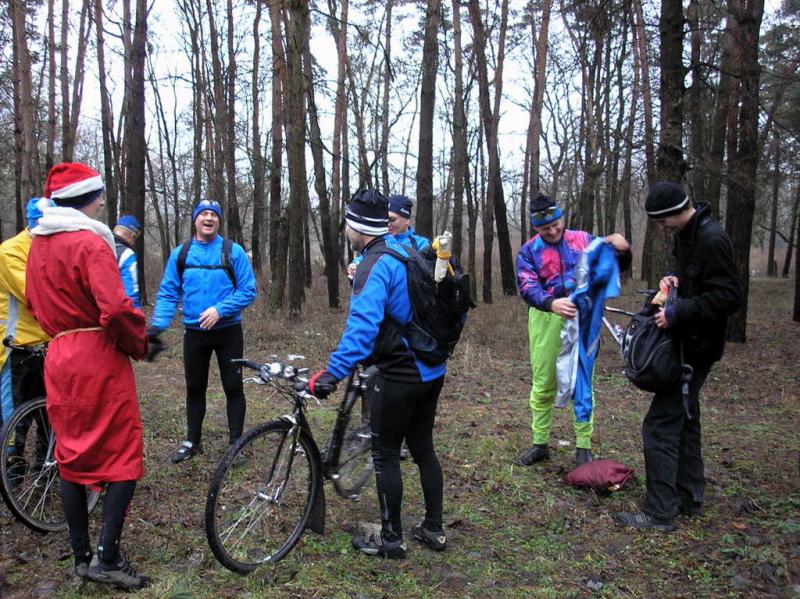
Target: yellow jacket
15,318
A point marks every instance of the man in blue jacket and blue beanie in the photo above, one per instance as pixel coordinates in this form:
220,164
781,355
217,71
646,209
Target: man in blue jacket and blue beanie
213,295
405,392
126,232
400,228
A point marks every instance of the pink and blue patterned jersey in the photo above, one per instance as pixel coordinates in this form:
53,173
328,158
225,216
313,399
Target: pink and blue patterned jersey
546,271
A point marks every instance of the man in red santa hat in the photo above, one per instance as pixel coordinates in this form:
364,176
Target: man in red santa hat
75,291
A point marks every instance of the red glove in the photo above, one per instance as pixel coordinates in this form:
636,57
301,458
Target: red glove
322,384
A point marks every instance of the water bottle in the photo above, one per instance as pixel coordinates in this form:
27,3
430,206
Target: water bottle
442,246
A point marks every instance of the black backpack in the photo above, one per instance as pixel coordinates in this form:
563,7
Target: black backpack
439,310
653,357
225,261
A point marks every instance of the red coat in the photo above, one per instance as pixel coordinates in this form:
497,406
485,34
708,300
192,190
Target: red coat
72,282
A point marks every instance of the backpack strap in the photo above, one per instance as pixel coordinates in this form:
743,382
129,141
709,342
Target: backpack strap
226,263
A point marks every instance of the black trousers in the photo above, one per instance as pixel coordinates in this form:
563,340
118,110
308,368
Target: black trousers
227,344
405,411
27,376
673,457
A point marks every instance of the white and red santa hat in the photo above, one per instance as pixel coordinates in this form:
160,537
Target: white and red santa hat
73,184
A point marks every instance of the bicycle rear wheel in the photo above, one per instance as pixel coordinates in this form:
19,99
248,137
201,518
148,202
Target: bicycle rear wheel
354,466
261,496
29,478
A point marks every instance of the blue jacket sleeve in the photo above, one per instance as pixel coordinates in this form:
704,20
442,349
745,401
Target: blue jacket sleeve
367,309
130,277
169,294
245,292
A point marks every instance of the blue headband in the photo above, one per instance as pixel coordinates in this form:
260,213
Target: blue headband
544,217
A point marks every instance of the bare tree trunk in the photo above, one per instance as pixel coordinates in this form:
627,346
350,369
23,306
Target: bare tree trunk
787,261
30,176
387,79
234,222
491,119
743,167
258,159
135,143
339,32
295,147
67,142
772,266
430,55
649,135
219,131
329,242
51,88
459,169
719,123
696,101
670,162
107,128
275,175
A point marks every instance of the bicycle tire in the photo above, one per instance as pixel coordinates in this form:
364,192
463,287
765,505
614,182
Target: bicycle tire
256,511
354,466
29,479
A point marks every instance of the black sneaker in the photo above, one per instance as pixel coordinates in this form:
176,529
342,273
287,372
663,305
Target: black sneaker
643,520
186,450
81,568
583,456
434,540
530,456
369,541
691,509
121,575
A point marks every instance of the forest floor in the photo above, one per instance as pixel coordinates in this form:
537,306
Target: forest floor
513,531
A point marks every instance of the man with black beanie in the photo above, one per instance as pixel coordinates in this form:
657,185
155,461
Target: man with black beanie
708,292
404,395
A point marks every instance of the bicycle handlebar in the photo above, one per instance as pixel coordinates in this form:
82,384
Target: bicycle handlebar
269,372
34,349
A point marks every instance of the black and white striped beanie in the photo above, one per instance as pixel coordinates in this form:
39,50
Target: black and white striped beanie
368,213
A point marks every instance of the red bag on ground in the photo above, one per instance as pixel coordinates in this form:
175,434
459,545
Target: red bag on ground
604,476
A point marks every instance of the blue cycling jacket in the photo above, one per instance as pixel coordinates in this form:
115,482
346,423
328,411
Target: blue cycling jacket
408,239
380,295
204,285
411,239
126,261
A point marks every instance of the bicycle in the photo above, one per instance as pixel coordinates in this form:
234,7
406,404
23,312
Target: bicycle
268,488
29,478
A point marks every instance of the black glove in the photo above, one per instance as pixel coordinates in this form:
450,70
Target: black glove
154,344
322,384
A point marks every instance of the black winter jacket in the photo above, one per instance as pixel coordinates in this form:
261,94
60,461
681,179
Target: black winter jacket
708,287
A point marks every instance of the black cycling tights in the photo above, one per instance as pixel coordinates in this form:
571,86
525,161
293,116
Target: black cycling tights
227,343
118,498
405,410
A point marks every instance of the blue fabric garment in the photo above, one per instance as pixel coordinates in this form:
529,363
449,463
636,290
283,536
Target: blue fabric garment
126,261
597,279
6,397
411,239
380,290
202,288
408,239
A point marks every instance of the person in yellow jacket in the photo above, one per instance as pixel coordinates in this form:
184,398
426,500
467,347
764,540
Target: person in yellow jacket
21,372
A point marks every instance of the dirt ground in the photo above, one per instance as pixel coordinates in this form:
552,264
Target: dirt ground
513,531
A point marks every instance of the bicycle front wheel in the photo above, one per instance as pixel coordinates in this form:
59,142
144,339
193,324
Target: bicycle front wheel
29,479
261,496
353,465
